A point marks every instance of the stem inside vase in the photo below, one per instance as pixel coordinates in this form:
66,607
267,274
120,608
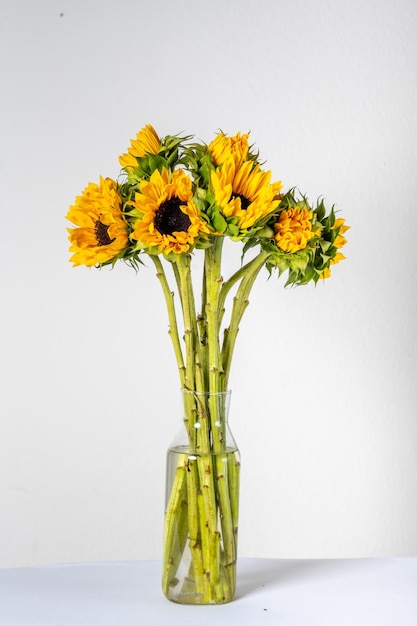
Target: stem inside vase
202,501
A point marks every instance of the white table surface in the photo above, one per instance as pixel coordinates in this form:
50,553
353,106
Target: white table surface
354,592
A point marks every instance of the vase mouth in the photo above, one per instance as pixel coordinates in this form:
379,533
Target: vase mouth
206,393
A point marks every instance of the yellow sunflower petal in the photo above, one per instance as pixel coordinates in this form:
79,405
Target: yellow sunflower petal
146,142
294,229
341,227
340,224
101,232
222,148
244,192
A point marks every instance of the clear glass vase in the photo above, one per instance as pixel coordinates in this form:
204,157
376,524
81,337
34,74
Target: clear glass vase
202,500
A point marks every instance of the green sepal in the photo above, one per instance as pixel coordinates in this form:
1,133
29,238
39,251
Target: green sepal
219,222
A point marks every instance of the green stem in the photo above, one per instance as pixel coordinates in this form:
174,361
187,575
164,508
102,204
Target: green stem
189,337
240,304
194,378
176,525
202,328
202,518
228,284
212,269
172,317
195,538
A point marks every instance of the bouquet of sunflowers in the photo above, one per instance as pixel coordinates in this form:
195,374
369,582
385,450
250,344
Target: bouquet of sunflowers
175,198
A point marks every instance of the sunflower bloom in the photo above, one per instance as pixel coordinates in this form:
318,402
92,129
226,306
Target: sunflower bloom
146,142
294,229
101,232
222,148
244,192
169,218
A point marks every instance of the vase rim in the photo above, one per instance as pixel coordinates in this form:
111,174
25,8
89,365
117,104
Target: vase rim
206,393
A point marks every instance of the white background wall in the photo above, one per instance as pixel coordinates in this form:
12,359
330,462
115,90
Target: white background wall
324,380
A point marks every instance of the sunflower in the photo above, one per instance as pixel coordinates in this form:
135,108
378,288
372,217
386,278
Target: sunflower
169,220
101,232
146,142
294,229
244,192
223,148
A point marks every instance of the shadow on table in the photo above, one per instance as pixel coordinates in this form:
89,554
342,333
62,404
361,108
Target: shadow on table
263,572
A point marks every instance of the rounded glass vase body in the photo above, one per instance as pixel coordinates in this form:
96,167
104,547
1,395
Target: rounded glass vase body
202,500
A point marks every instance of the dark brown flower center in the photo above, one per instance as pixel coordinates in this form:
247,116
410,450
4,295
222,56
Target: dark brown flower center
244,202
101,232
170,219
